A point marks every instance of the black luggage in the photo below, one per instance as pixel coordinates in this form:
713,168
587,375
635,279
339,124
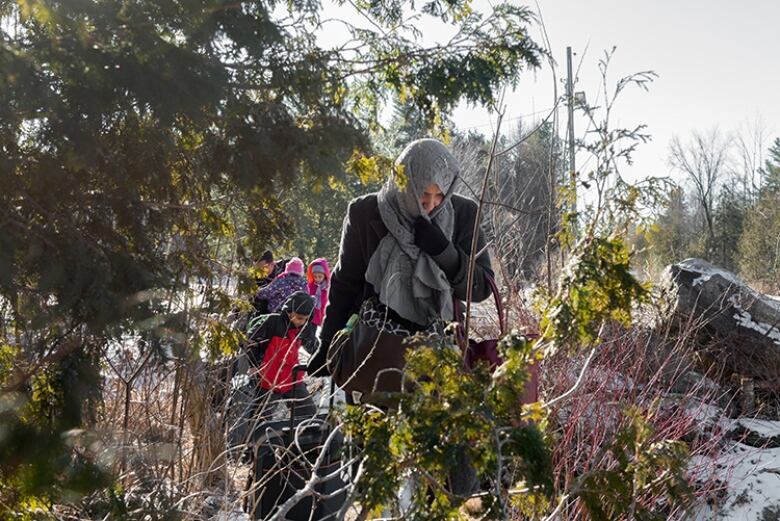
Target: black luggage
285,453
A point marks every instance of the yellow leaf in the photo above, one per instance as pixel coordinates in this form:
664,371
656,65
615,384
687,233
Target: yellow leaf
368,169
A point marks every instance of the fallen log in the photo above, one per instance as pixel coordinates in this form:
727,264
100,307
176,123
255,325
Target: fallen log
737,325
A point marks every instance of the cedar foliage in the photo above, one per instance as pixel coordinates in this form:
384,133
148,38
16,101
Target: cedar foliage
141,142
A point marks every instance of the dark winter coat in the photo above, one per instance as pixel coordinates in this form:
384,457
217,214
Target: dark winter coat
278,269
362,231
261,305
274,343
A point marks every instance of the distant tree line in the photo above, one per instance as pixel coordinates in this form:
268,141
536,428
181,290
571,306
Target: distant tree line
726,208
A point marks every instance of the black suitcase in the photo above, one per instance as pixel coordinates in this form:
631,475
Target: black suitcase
284,456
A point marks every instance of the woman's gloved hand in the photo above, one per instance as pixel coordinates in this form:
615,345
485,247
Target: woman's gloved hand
428,237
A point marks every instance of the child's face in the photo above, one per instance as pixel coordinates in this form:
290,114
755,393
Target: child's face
298,319
262,268
318,277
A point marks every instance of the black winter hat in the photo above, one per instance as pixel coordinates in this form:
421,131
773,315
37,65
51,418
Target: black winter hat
299,302
267,256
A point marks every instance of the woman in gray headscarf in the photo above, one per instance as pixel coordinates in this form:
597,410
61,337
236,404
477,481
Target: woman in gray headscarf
404,250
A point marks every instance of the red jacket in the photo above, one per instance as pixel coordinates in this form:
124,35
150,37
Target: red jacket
276,368
274,344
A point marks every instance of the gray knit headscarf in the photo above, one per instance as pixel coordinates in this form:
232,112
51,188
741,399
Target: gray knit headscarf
407,279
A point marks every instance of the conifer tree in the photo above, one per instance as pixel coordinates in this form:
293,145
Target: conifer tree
141,140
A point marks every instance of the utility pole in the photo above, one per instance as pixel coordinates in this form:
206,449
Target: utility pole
570,100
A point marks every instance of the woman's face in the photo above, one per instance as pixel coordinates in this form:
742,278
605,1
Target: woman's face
431,198
318,277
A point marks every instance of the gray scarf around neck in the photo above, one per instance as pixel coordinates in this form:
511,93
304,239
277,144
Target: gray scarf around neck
407,279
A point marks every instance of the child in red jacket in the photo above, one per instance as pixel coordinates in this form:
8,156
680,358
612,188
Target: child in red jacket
274,343
276,338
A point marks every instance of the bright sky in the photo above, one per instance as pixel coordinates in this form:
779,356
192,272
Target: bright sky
717,63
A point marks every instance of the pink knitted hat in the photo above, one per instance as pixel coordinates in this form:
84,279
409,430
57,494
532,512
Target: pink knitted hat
294,265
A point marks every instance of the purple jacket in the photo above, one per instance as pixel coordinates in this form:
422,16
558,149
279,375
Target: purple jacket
279,289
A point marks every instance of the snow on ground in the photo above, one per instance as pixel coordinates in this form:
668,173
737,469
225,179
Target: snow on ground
235,515
223,508
707,416
764,428
751,475
753,486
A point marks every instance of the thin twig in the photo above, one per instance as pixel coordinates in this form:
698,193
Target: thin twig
576,385
476,230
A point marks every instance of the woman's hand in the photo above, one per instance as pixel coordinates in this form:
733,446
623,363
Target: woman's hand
428,237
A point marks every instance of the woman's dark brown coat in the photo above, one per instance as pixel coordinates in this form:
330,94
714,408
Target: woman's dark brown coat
363,230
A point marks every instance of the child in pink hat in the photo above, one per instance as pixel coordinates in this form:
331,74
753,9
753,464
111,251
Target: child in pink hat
318,279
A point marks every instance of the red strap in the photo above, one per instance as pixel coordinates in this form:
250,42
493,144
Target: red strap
499,308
